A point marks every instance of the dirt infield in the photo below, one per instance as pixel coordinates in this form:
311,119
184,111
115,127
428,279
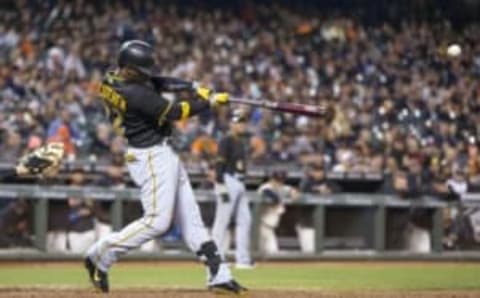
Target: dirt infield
191,293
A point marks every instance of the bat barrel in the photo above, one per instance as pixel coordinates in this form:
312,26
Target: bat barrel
287,107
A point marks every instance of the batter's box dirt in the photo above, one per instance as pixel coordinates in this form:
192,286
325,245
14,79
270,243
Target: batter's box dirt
194,293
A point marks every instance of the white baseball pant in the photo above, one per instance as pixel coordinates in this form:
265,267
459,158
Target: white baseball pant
237,206
166,196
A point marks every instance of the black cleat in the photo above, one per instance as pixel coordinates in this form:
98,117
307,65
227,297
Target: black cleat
90,268
228,288
98,278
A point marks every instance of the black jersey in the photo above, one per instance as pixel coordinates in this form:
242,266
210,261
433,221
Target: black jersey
232,157
140,113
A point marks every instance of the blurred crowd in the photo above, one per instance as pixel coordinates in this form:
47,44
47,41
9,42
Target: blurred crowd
403,107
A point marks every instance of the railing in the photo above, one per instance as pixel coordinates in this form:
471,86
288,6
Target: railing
377,206
256,174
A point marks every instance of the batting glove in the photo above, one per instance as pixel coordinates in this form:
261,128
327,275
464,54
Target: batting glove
215,98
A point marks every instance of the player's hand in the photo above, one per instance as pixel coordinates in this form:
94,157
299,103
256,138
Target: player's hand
215,98
219,98
203,93
222,192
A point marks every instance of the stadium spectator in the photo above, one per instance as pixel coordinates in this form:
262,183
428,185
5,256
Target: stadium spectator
204,146
60,130
385,80
11,147
315,179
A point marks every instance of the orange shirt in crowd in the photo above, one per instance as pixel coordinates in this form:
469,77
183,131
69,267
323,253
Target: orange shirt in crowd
204,145
63,135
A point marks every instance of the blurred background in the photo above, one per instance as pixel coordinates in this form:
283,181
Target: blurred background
397,170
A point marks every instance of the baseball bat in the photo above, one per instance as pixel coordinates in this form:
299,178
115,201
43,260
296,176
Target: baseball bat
324,111
171,84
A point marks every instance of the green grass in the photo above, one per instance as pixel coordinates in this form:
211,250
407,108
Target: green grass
321,276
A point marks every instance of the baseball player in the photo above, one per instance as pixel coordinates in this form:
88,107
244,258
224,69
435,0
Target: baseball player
133,100
230,191
273,193
42,161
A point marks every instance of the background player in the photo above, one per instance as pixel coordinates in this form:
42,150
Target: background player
136,107
230,191
273,193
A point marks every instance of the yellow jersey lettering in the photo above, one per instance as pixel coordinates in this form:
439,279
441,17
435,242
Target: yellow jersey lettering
113,98
117,124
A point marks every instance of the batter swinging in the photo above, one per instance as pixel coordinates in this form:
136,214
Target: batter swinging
132,99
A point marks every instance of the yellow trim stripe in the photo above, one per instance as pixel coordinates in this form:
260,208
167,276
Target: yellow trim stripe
185,106
154,178
136,232
167,109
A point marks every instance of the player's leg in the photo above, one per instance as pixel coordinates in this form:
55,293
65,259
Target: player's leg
108,249
196,236
267,238
223,214
155,170
195,233
57,241
243,224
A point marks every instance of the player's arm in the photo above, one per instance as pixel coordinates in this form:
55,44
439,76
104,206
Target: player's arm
171,84
154,105
204,99
268,194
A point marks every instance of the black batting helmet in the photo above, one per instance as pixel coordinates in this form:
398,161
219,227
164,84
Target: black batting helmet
138,55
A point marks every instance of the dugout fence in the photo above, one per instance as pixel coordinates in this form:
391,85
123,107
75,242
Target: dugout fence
365,217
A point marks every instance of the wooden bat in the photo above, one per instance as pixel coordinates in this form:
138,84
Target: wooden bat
171,84
322,111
